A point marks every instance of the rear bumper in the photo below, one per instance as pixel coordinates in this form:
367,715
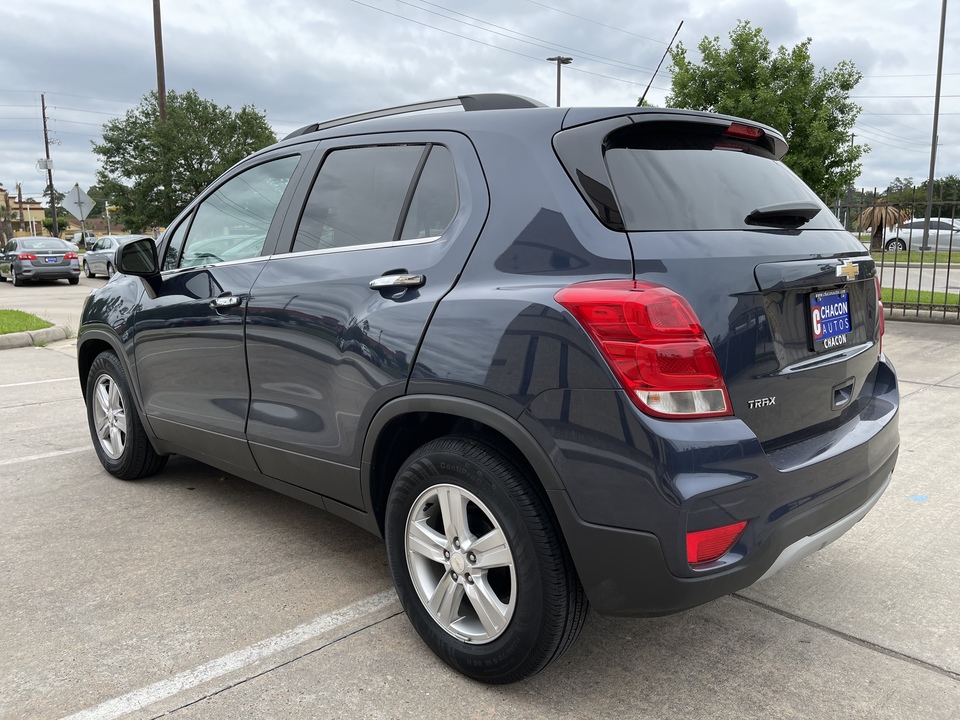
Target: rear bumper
634,488
624,572
57,272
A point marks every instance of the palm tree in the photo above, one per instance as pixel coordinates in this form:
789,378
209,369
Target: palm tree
880,217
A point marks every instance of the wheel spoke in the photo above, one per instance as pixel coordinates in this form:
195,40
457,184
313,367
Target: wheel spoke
120,419
453,512
103,427
491,550
103,396
115,402
490,611
424,540
116,441
445,603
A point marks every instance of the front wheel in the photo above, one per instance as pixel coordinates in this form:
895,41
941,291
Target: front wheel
118,436
896,245
479,566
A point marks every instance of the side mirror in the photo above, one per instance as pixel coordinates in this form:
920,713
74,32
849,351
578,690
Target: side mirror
138,258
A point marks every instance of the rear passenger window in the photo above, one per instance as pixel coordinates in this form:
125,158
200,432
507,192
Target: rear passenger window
436,201
358,197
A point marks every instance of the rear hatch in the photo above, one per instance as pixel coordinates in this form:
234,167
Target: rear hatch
787,298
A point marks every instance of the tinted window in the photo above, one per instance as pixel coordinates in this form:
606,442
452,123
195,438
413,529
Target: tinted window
232,223
357,197
681,176
436,200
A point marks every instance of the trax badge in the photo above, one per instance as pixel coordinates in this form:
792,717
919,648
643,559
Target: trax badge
848,269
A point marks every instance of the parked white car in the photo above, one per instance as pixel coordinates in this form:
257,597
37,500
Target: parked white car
98,260
944,232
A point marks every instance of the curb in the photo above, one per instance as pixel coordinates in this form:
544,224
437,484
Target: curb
32,337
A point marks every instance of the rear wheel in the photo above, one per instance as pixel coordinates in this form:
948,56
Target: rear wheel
478,564
17,280
109,270
897,244
86,270
73,281
118,436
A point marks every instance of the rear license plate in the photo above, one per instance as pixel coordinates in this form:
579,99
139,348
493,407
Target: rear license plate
830,319
51,259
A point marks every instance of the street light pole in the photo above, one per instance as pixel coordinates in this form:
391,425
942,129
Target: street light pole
559,60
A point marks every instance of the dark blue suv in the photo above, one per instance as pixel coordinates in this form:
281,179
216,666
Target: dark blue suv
552,356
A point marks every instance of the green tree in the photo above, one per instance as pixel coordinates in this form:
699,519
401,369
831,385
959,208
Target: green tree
946,195
152,170
781,89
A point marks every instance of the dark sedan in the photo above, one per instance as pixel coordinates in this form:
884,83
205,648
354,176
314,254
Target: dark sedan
39,258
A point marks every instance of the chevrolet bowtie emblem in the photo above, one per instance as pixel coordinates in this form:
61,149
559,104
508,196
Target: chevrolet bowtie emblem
848,269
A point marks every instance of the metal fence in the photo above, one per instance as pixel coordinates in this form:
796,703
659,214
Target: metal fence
919,279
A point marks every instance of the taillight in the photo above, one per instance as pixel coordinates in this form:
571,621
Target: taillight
880,315
709,545
653,342
26,256
71,256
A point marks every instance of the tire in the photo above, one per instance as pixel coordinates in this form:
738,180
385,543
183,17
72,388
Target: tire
17,280
109,270
3,278
73,281
512,602
118,436
86,270
896,245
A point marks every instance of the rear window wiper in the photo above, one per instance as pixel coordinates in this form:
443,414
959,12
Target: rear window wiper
784,215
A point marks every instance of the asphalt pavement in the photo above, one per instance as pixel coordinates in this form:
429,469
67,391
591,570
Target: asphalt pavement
197,595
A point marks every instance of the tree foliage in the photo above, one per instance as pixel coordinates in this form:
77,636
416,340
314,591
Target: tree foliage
153,170
781,89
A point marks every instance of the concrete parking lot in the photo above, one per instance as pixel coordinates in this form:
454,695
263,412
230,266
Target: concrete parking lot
198,595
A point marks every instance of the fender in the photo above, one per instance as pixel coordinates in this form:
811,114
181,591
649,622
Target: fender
498,420
106,334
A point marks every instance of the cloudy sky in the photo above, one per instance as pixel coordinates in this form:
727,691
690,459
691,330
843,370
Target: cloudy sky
304,61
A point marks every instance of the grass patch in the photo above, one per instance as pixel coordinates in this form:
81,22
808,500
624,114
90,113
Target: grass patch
12,321
923,297
915,256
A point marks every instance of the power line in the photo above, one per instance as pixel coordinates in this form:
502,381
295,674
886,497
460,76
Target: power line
897,147
892,135
490,45
595,22
552,46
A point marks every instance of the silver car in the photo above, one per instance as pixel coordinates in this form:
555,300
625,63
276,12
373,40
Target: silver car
39,258
944,233
98,260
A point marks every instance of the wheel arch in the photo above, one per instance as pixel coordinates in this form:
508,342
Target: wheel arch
405,424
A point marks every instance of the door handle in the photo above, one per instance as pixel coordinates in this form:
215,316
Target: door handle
397,281
224,302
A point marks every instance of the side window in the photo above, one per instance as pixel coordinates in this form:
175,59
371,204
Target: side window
172,253
232,223
358,197
436,201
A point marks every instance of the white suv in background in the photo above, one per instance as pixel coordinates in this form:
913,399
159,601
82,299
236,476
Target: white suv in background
943,232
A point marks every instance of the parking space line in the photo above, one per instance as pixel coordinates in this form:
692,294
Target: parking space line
42,456
236,660
38,382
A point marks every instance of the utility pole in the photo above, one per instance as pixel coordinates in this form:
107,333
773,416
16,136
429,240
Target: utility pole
933,141
161,81
46,146
20,204
559,60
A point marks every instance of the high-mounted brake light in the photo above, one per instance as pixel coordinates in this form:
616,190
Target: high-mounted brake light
26,256
653,342
745,132
709,545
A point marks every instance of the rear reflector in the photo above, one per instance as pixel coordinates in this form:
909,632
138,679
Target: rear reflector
654,344
709,545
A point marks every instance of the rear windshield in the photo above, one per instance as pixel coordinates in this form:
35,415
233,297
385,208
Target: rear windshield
680,176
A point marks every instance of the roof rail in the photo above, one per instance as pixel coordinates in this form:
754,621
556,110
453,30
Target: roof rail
481,101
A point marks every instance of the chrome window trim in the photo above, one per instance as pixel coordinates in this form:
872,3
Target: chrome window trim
360,246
